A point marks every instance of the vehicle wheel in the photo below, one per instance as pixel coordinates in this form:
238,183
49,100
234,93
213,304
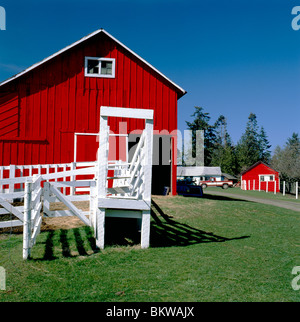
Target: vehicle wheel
225,186
204,186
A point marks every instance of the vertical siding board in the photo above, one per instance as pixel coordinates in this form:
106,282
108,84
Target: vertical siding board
126,86
140,124
57,124
22,108
159,107
72,104
92,111
146,90
133,92
6,156
120,78
92,88
165,108
36,122
57,111
65,95
50,127
126,82
44,123
1,153
152,98
14,153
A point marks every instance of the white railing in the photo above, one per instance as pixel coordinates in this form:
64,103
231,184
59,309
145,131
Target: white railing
136,170
11,176
42,185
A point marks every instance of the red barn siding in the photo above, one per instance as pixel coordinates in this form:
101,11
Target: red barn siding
43,108
255,171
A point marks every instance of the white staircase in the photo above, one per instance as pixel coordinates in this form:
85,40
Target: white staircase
130,194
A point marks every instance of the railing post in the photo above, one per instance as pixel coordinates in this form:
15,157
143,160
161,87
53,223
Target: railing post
101,179
72,190
12,174
27,221
93,204
148,150
46,197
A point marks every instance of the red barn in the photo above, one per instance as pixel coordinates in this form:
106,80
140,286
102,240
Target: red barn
50,112
260,177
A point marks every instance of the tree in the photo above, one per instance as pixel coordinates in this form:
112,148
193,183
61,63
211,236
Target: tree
224,152
286,160
253,146
264,146
248,147
201,122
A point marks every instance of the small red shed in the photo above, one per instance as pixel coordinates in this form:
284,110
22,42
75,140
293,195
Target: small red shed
49,113
260,176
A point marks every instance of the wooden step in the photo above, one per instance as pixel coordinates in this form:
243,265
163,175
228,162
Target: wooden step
118,190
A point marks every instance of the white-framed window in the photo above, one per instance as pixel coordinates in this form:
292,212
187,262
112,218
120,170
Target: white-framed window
100,67
266,177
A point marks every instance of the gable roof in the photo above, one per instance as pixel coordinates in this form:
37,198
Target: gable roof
255,165
179,89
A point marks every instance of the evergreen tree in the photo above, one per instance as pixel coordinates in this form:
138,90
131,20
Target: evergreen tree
201,122
224,152
248,147
264,146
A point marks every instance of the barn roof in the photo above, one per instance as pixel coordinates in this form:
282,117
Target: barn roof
179,89
255,165
198,171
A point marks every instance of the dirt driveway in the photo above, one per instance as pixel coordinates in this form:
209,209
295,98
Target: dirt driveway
279,203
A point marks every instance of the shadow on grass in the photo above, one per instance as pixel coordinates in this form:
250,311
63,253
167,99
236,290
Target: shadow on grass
67,241
165,232
168,232
118,232
222,198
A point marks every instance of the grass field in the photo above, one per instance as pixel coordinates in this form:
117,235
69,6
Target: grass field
202,249
257,194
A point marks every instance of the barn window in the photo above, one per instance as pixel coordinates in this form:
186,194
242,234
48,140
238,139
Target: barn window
100,67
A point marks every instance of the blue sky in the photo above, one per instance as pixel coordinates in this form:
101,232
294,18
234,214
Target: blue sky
232,57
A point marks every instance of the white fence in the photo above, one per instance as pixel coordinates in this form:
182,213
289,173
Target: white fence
271,186
42,185
17,172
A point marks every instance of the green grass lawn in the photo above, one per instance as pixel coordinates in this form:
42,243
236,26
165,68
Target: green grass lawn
202,249
256,194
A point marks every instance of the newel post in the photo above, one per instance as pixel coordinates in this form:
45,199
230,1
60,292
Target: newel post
27,221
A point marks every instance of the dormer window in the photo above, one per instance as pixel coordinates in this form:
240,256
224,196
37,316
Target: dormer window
100,67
